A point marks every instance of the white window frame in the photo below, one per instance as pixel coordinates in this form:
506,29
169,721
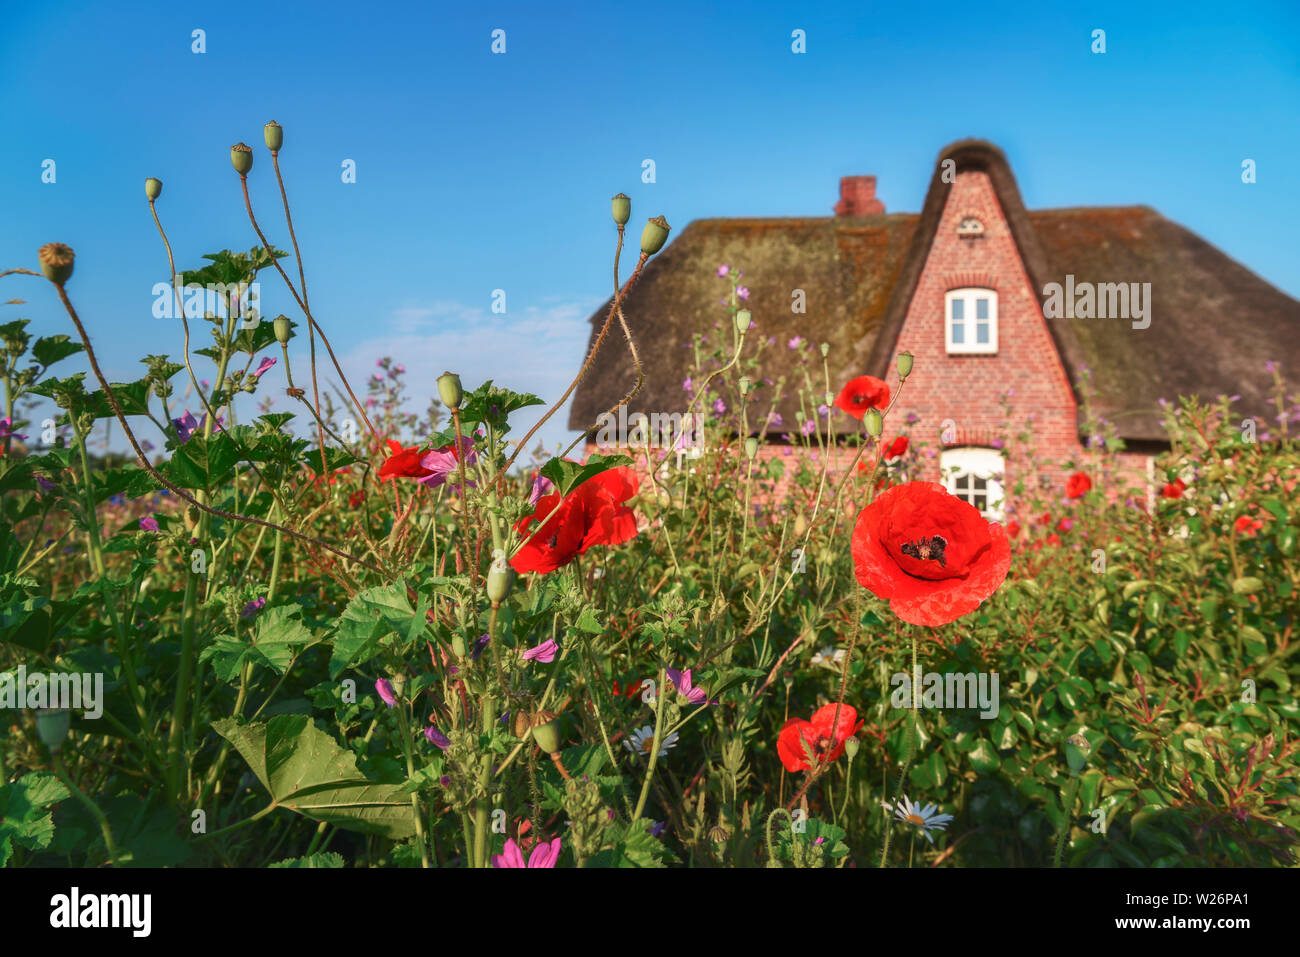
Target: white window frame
967,296
962,464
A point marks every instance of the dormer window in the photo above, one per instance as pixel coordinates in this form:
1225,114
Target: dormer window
971,321
970,228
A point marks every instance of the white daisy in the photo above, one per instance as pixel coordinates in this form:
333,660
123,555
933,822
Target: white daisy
642,738
831,659
924,818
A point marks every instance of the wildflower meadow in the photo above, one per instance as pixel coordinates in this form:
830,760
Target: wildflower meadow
351,636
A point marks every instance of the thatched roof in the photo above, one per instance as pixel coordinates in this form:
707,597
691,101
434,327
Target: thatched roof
1214,323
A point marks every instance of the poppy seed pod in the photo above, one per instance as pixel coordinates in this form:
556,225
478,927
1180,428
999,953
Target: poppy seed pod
52,725
241,158
654,235
546,731
449,390
56,262
751,447
851,746
744,385
499,583
283,329
152,188
274,134
621,206
904,364
826,349
873,422
743,318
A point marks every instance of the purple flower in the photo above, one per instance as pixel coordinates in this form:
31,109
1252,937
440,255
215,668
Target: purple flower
442,463
682,682
808,427
544,854
436,737
263,366
385,689
6,429
719,406
545,652
479,646
742,292
149,524
541,486
723,270
913,418
688,385
1270,366
251,609
44,483
998,443
796,342
823,410
186,426
658,828
774,418
445,780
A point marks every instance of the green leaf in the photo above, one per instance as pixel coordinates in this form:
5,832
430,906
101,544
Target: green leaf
567,475
983,758
50,349
587,622
1247,585
308,772
319,859
25,818
281,635
369,616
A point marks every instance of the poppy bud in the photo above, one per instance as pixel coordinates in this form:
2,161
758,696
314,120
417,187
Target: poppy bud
283,329
274,134
458,645
622,208
449,390
743,318
546,731
1077,749
751,447
56,262
654,235
873,422
744,385
523,723
904,364
152,188
52,725
499,583
241,158
826,349
800,525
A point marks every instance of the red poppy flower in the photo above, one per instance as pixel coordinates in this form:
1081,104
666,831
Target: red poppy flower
823,736
357,497
1174,489
1013,528
1045,518
592,514
931,554
1076,485
897,447
1053,539
864,392
1065,524
403,463
1246,525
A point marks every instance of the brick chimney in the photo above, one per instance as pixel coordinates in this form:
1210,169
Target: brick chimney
858,197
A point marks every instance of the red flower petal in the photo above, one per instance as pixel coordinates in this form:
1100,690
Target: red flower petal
864,392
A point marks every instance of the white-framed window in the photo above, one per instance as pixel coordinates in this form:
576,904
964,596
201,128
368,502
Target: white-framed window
974,475
970,320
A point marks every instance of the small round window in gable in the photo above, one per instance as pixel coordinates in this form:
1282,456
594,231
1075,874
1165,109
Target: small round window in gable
970,228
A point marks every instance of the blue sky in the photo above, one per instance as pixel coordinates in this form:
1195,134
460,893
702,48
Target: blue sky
477,171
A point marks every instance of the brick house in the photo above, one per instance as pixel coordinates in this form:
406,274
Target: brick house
999,305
